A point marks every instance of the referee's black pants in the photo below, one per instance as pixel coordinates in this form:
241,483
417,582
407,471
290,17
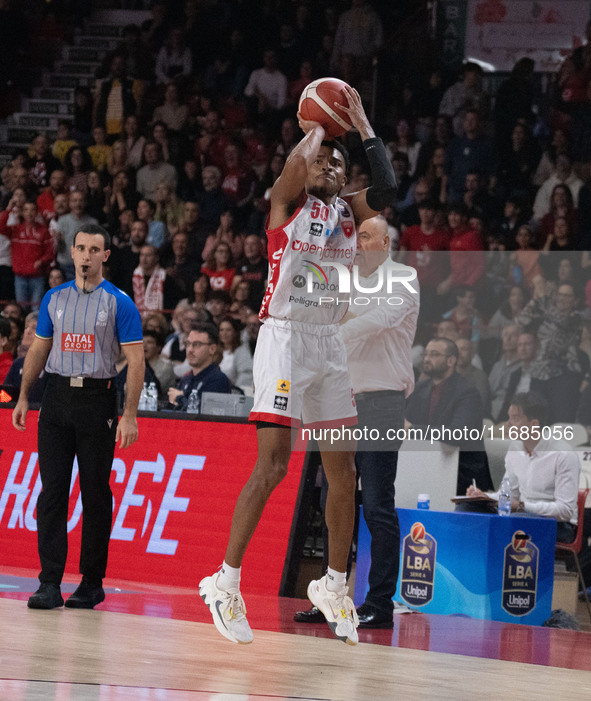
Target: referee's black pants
82,422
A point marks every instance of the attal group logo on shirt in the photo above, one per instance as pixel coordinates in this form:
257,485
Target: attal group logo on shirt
78,342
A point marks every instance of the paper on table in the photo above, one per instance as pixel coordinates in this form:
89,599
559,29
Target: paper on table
477,497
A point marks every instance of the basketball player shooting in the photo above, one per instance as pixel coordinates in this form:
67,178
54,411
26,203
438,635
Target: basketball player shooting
300,372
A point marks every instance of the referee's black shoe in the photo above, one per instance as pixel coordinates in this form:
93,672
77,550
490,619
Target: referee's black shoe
48,596
312,615
373,617
87,595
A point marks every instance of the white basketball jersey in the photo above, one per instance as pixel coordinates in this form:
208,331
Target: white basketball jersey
302,285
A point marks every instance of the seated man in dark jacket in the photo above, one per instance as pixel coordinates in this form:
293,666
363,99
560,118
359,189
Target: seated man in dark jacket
203,347
448,408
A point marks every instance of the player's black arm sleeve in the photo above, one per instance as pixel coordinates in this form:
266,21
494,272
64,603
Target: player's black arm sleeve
383,191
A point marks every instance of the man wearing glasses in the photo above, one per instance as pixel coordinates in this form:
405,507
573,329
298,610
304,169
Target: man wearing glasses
447,400
205,376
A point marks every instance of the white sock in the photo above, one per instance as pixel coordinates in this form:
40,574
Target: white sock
229,577
335,581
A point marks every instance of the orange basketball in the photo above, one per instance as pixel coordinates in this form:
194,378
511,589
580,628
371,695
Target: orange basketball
317,104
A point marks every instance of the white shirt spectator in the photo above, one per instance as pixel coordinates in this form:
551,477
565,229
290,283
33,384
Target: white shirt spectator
547,481
359,33
237,366
150,176
379,339
542,201
166,59
271,85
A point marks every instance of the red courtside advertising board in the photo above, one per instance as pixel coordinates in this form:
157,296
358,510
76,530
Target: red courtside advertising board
173,492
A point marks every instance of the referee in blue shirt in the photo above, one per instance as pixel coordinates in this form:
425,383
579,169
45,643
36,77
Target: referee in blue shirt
82,327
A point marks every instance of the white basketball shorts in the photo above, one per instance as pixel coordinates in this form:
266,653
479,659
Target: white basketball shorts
300,375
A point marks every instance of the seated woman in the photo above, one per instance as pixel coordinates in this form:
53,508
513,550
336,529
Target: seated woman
219,267
77,165
199,293
227,233
118,159
561,205
239,308
120,196
169,209
561,238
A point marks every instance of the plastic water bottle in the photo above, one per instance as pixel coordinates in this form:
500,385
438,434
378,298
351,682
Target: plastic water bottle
152,403
423,502
193,403
143,398
504,507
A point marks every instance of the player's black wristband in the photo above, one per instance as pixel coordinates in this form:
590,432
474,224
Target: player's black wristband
383,191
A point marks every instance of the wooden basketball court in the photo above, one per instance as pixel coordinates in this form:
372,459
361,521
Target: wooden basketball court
150,643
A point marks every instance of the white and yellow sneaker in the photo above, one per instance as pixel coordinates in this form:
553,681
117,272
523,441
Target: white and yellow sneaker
338,609
227,609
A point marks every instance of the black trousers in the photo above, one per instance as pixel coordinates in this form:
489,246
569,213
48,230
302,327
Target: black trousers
376,462
82,422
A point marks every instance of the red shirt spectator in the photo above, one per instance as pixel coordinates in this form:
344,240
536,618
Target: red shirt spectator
466,258
6,357
211,144
239,180
422,241
219,267
219,279
45,201
31,243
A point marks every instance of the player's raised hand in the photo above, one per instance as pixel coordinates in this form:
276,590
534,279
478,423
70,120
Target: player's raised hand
356,112
307,125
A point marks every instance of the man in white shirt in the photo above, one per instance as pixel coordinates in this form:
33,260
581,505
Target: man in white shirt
359,37
544,473
378,337
267,88
466,93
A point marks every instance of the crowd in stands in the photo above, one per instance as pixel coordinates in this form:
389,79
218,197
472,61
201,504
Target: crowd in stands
189,124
